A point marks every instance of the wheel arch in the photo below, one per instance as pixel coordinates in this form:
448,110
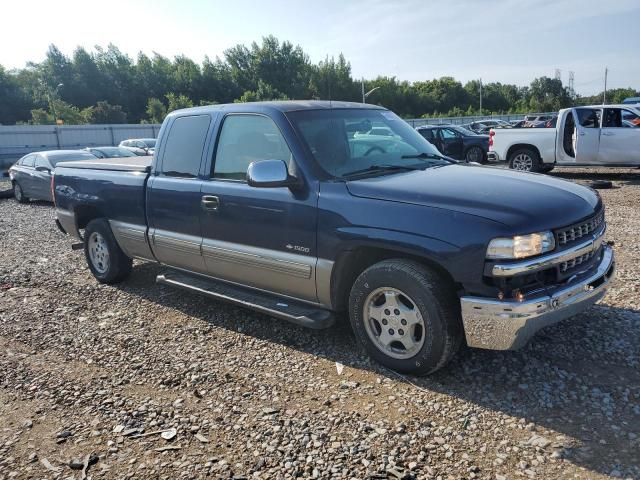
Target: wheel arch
518,146
351,263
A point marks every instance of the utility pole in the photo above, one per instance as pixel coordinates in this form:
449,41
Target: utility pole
363,97
481,96
604,94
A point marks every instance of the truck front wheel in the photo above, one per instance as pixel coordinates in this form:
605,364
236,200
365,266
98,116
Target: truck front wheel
525,160
406,316
106,260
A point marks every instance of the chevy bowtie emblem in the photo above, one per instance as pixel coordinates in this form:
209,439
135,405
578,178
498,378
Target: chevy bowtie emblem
289,246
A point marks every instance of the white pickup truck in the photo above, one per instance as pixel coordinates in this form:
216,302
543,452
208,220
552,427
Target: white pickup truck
603,135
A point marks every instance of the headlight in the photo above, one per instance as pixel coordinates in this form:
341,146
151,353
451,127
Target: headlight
521,246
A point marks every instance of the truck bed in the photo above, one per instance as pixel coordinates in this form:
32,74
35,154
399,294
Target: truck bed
125,164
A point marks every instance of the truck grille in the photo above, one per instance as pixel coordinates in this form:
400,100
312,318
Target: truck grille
576,232
575,262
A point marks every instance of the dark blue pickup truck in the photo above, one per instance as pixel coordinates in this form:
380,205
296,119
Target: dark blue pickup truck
296,209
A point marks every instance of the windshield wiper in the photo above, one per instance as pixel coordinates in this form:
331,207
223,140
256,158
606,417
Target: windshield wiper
383,168
430,156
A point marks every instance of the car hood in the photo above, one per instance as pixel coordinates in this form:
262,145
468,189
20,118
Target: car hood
524,202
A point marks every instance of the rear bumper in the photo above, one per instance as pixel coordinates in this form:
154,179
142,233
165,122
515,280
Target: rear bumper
493,156
510,324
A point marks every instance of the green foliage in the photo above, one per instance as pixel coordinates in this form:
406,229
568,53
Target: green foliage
177,102
156,111
103,113
264,92
106,85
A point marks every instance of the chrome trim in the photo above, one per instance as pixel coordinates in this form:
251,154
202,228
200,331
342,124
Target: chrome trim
132,239
509,324
540,263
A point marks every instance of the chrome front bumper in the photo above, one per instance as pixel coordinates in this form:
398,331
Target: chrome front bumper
509,324
492,156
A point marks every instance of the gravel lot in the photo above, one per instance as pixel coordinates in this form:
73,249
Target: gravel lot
87,368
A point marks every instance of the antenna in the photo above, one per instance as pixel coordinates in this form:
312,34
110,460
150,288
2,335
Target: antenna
571,85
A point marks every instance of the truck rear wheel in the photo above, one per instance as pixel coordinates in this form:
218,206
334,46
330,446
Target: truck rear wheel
406,316
525,160
106,260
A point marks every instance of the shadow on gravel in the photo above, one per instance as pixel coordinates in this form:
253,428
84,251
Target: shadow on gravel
629,177
578,378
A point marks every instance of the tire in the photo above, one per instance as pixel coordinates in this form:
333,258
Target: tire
18,193
475,154
525,160
106,260
432,330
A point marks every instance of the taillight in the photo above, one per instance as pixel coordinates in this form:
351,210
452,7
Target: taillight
491,134
53,197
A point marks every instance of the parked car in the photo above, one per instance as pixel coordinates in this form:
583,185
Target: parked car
268,206
457,142
31,175
140,146
110,152
583,136
483,126
517,123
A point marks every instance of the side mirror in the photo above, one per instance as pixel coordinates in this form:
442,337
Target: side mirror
270,174
43,169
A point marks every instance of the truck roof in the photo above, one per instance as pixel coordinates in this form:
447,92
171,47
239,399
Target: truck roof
280,105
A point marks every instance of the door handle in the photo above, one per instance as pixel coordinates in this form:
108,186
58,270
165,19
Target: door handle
608,134
210,202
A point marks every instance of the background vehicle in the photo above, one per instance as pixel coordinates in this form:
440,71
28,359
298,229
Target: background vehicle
110,152
140,146
583,136
31,175
457,142
632,101
274,206
483,126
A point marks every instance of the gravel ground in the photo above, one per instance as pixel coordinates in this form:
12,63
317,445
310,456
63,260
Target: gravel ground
89,373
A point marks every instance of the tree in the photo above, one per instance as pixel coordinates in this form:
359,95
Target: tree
156,111
103,113
264,92
176,102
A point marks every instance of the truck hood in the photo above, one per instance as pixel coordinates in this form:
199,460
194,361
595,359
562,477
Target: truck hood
524,202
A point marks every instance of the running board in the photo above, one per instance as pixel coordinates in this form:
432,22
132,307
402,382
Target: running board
279,307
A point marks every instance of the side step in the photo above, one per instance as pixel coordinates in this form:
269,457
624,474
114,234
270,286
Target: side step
283,308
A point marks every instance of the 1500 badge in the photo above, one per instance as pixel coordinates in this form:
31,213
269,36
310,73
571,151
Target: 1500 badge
297,248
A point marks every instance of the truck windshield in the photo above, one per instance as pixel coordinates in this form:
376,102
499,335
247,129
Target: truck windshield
345,142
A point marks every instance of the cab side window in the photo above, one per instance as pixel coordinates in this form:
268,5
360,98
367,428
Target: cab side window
612,118
588,117
185,145
427,133
246,138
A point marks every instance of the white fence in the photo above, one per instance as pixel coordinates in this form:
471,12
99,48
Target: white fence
18,140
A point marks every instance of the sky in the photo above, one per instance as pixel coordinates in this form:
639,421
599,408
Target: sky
508,41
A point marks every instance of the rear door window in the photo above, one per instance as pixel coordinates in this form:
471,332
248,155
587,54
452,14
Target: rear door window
185,145
588,117
427,133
